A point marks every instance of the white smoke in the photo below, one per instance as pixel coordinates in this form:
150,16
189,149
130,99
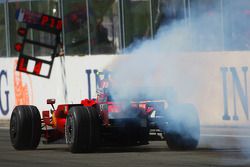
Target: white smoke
149,70
152,63
164,61
152,66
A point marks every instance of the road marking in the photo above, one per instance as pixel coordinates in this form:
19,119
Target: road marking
4,128
234,136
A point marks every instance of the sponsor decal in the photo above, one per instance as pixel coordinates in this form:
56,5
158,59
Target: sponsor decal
239,89
22,88
4,93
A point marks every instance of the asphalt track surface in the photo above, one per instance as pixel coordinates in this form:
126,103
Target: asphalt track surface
218,147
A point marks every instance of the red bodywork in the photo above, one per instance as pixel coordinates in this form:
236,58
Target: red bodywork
55,119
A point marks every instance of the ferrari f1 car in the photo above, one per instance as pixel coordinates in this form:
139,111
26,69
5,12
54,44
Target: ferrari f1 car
102,121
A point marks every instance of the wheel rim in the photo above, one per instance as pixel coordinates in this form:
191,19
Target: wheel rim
69,130
13,127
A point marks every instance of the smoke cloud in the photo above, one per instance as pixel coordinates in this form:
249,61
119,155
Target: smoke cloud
151,69
161,67
150,66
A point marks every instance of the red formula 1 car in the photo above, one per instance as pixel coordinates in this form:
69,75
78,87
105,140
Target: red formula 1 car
97,122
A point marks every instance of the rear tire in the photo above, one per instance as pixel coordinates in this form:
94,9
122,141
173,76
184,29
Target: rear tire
82,129
183,132
25,127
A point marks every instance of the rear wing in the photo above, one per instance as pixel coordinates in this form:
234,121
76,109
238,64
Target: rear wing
159,105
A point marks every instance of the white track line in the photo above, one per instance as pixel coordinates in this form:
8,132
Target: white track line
217,135
4,127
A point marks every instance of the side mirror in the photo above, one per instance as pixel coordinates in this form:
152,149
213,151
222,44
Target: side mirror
51,101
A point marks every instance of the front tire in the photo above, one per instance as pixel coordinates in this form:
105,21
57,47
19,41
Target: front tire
25,127
183,131
82,129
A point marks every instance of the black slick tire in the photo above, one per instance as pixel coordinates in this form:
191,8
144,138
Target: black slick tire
183,132
82,129
25,127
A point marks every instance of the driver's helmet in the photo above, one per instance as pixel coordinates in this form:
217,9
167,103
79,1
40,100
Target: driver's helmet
105,85
104,81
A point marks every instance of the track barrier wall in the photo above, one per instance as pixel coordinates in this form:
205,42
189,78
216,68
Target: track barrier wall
218,84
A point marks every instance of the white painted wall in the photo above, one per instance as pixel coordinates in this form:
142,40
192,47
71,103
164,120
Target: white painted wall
201,72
